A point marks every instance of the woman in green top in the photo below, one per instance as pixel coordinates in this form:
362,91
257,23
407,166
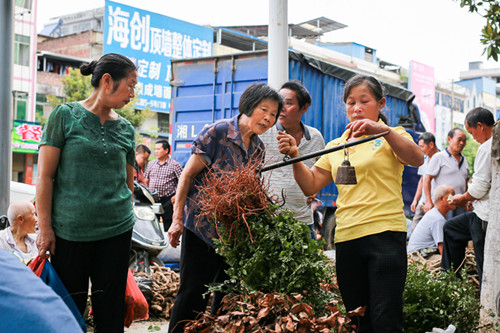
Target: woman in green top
84,191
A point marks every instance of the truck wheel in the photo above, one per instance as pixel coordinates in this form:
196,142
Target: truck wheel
328,231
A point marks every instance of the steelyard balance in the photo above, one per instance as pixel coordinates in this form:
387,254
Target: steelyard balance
345,173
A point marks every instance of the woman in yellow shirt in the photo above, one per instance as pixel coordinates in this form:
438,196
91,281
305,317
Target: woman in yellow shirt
370,237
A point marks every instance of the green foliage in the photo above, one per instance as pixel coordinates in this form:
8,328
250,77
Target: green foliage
155,328
281,259
490,34
470,151
78,87
40,119
54,101
432,300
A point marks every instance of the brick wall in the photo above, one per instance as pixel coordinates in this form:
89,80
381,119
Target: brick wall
49,84
51,79
77,45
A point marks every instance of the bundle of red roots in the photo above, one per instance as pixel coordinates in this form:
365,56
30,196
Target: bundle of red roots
229,197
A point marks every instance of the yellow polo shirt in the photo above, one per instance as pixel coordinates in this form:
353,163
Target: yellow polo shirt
375,204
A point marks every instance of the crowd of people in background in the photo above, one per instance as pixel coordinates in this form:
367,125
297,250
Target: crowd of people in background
458,210
89,160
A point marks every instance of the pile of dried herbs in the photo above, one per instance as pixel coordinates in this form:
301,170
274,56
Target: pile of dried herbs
273,312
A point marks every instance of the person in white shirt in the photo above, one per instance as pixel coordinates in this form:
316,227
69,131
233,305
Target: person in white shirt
296,100
460,230
19,237
426,142
427,238
448,167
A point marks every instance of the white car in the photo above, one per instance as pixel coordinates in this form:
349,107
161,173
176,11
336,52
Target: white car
21,191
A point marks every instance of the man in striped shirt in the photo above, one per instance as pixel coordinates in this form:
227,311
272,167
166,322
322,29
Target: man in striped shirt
163,175
296,102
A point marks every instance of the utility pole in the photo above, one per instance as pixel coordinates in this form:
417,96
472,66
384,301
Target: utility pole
277,55
6,37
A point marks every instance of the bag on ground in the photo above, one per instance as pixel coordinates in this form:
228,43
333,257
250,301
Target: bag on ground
136,306
44,269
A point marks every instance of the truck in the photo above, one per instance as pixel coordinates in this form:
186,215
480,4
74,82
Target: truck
207,89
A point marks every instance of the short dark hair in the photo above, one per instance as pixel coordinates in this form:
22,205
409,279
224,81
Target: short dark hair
303,96
116,65
142,148
451,133
428,137
479,115
164,144
254,94
376,88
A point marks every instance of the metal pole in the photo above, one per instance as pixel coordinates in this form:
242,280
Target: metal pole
6,39
277,56
321,152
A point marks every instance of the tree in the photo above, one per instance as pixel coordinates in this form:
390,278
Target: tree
470,151
490,35
78,87
490,291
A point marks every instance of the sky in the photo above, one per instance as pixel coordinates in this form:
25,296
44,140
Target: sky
437,33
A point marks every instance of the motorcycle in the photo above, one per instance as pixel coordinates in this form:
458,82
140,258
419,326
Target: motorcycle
4,222
148,239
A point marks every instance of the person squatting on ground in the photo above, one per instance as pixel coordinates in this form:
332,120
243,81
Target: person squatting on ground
163,176
427,238
448,167
226,144
472,225
296,102
84,191
370,238
426,142
19,238
142,153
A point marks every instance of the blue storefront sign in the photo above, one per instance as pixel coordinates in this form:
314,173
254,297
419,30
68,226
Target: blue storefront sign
151,40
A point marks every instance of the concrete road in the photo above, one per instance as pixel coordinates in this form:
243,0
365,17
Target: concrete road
142,326
156,324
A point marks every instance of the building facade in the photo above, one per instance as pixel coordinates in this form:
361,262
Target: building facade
484,85
26,131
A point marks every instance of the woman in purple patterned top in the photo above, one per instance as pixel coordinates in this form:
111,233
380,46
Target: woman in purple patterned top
224,144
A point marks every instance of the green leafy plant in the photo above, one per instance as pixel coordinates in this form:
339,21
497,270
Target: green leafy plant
278,257
267,249
438,300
